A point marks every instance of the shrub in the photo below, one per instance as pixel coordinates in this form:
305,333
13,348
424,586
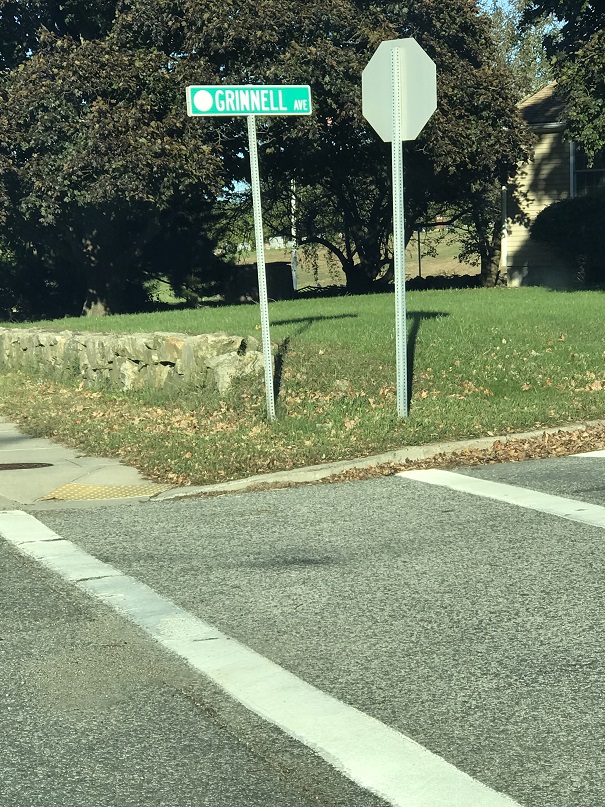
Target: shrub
576,229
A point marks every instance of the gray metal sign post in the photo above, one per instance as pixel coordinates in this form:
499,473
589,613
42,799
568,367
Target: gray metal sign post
259,240
399,235
251,101
399,95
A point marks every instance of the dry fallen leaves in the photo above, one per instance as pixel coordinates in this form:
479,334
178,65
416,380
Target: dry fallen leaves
561,443
558,444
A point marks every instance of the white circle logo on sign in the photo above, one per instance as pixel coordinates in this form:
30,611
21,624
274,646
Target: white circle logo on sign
203,100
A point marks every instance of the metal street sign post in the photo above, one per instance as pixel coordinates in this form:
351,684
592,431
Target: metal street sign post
251,101
399,95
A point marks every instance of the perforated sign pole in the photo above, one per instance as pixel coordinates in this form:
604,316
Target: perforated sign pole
399,95
250,101
260,266
399,237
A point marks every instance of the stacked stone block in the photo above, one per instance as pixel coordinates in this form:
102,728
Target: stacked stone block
134,361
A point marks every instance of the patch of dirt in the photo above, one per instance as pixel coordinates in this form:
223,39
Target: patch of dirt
432,269
438,267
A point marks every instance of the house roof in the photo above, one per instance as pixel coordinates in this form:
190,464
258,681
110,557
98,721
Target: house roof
545,107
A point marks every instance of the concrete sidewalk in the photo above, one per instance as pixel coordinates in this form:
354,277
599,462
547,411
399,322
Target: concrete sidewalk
66,478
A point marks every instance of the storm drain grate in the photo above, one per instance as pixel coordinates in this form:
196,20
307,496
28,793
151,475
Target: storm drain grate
23,466
73,492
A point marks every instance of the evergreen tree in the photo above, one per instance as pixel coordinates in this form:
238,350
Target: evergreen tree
521,48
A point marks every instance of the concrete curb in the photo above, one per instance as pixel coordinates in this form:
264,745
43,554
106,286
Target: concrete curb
313,473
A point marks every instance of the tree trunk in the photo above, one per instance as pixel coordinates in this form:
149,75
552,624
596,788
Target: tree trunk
489,251
95,305
358,280
490,269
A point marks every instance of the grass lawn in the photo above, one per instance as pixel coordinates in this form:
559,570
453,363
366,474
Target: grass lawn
485,361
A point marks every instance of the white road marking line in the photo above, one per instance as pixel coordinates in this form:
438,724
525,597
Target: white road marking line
590,454
571,509
370,753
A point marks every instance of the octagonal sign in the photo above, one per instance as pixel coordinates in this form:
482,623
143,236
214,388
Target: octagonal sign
418,88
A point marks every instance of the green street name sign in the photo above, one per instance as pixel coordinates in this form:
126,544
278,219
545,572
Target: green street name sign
218,99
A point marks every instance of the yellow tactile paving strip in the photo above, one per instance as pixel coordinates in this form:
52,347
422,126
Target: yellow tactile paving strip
73,492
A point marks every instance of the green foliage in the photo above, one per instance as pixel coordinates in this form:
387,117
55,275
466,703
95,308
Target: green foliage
485,361
521,49
341,169
577,49
474,141
25,23
575,227
105,184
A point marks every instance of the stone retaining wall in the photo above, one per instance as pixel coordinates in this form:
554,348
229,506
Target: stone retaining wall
133,361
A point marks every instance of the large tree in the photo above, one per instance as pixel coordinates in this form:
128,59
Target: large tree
577,49
341,169
101,170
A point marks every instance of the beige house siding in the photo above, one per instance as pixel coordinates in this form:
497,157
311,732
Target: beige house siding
544,181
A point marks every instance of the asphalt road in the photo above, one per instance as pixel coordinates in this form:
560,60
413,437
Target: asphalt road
94,715
473,626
